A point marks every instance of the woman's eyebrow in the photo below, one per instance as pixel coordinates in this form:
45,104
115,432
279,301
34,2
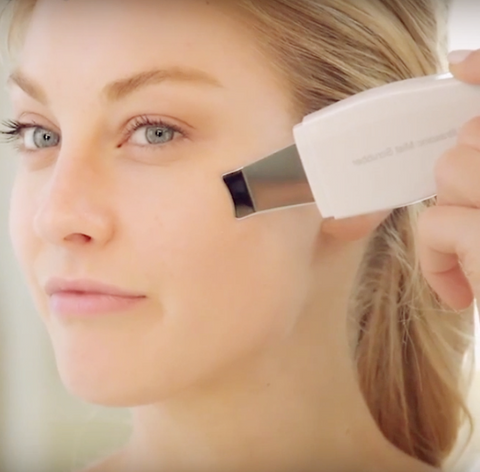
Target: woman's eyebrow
120,89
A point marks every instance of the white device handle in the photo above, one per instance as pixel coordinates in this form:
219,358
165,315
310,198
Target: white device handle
377,150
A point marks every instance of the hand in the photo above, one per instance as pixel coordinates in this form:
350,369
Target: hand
449,233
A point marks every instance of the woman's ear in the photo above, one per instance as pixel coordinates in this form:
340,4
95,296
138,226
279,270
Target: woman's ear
355,228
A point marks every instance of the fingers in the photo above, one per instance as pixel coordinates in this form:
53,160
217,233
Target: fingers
467,70
457,171
449,233
449,252
469,134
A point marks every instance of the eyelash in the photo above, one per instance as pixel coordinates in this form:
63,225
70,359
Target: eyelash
13,131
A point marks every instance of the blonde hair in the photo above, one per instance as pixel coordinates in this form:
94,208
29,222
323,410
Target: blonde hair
409,347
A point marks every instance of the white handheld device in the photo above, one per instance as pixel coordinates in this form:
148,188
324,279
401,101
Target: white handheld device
373,151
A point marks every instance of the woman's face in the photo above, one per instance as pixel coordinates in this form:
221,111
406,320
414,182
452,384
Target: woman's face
146,210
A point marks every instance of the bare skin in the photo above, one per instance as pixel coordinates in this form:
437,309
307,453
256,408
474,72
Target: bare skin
238,358
449,232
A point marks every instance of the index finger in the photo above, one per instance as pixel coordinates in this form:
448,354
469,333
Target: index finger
465,65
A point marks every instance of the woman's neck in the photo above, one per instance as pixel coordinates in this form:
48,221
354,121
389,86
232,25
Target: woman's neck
275,417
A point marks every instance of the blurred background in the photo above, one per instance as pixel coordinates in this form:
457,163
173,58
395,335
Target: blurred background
39,422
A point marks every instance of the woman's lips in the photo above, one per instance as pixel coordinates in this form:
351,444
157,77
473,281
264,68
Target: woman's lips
88,304
88,297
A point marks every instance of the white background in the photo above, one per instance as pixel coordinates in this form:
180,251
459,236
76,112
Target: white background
39,422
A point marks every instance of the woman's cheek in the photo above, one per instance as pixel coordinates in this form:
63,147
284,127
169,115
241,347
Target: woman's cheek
239,274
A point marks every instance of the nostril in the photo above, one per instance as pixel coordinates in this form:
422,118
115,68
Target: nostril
78,238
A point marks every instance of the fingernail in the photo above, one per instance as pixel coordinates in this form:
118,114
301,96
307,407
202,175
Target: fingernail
457,57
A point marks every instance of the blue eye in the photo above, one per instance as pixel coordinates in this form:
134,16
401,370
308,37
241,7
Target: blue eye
33,135
40,138
157,134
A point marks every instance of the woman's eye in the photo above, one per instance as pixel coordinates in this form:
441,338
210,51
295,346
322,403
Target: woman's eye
39,138
154,135
150,134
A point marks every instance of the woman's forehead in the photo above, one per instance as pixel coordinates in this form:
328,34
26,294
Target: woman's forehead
114,22
115,38
112,51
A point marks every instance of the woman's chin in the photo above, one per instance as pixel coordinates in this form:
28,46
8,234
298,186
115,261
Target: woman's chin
112,386
108,394
102,385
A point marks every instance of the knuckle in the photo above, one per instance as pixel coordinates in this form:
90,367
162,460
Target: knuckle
469,134
427,222
469,262
446,166
455,176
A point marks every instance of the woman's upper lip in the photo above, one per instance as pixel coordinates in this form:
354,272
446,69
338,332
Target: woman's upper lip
56,285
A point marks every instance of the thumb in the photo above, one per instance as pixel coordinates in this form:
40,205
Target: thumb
465,65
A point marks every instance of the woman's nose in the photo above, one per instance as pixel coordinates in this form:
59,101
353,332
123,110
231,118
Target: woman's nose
73,208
